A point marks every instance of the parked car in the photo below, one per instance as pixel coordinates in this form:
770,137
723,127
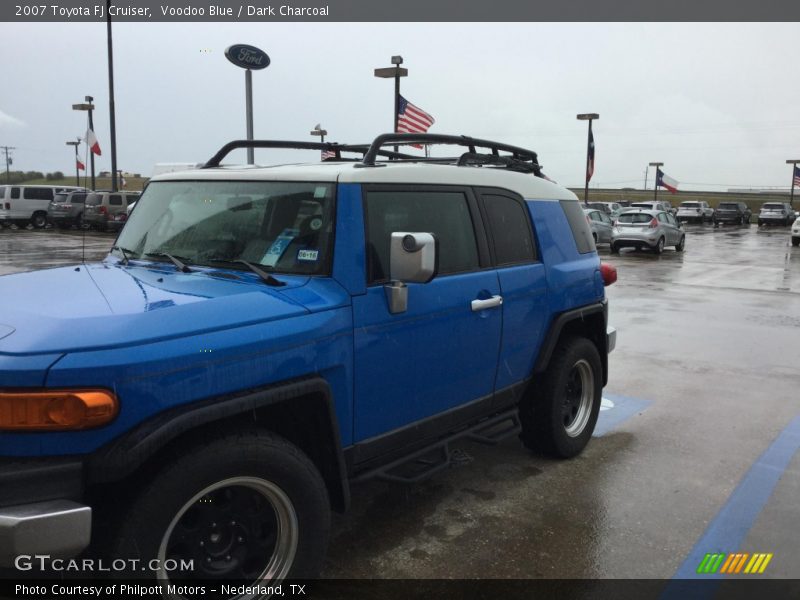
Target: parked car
27,204
601,225
288,364
695,210
732,212
101,207
796,232
66,208
776,213
652,205
652,229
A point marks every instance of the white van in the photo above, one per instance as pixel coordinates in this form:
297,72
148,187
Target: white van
23,204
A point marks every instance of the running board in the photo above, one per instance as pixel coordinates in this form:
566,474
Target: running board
436,457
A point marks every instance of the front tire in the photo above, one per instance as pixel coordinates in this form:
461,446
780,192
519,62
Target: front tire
243,507
559,413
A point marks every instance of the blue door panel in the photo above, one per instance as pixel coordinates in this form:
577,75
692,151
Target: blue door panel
524,291
437,355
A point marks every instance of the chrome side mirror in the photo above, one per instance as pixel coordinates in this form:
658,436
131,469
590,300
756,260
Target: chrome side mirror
413,258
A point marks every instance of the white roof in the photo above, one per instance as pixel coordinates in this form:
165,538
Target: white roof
525,184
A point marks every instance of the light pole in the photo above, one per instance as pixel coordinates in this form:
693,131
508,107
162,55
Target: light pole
795,177
319,132
77,173
589,153
111,111
658,166
89,107
395,72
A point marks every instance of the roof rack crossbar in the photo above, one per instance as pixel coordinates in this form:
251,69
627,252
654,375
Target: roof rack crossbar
520,154
215,160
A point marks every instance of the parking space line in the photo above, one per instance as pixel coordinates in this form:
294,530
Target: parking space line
735,519
615,410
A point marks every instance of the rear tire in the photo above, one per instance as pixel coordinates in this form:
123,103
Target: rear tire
559,412
247,507
614,248
681,245
39,220
795,241
659,248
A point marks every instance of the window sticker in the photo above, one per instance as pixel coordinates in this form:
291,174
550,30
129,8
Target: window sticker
307,255
320,191
278,247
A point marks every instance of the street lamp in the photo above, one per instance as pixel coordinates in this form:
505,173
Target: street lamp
589,152
77,173
655,188
395,72
89,107
320,132
795,177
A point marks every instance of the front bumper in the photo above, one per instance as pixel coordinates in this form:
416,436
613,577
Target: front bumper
40,508
58,528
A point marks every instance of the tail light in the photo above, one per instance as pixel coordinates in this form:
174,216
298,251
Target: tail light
102,210
608,272
8,205
653,223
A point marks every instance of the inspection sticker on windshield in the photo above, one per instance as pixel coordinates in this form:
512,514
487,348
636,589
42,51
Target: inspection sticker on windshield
319,191
307,255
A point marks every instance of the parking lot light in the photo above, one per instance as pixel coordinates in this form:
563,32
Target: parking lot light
657,165
319,132
395,72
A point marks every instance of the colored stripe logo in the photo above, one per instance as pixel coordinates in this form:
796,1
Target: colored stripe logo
733,563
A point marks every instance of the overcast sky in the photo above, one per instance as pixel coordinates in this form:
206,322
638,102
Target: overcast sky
719,104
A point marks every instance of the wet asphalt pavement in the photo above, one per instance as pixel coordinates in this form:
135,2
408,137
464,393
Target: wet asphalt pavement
705,377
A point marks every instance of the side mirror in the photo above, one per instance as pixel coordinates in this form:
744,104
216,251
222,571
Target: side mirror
413,258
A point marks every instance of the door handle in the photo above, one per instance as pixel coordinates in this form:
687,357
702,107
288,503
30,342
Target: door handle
488,303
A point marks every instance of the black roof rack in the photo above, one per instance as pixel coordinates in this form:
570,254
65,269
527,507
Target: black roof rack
517,158
215,160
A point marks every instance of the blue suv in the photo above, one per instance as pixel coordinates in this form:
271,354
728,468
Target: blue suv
260,338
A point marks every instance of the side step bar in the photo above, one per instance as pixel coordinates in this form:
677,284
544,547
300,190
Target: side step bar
436,457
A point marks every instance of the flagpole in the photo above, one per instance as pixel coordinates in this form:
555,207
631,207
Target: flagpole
89,99
657,165
111,110
794,167
589,152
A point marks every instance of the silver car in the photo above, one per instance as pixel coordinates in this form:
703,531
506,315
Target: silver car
652,229
601,225
695,210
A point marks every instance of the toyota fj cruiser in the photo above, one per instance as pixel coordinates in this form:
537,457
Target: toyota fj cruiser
260,338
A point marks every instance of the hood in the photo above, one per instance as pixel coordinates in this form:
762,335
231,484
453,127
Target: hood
106,305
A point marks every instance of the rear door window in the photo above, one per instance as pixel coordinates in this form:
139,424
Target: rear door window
14,193
37,193
509,229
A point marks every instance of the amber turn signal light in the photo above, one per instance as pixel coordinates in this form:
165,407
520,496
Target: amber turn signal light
56,410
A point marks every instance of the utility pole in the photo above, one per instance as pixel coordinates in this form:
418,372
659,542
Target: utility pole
8,161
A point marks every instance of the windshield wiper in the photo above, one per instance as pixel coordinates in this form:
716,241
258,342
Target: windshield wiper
125,252
176,260
263,275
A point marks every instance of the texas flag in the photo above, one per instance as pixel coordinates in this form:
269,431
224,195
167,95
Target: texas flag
666,181
92,143
80,165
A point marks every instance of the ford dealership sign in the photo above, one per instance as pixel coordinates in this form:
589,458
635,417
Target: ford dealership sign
247,57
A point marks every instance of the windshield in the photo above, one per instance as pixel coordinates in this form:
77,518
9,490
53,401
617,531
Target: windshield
285,227
634,218
641,205
60,198
772,206
690,205
728,206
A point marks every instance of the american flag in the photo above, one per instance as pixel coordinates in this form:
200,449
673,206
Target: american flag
412,119
328,154
797,175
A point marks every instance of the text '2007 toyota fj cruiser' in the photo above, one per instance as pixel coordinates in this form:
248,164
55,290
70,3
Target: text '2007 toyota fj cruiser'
261,337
